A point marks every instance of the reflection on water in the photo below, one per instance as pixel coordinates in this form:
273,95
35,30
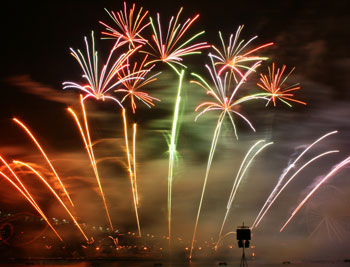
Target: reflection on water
150,263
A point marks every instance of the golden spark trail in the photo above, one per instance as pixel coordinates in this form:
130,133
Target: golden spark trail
18,180
87,141
47,159
33,203
134,159
330,174
211,155
94,162
132,182
54,193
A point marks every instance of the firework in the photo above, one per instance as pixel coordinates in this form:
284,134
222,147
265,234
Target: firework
169,49
131,86
129,27
273,84
329,175
226,103
85,134
99,83
130,169
275,192
224,95
241,172
45,156
172,149
54,193
24,192
234,56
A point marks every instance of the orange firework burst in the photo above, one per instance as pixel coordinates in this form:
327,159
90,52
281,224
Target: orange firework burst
128,28
273,84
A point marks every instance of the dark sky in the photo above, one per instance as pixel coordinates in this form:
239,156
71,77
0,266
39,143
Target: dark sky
310,35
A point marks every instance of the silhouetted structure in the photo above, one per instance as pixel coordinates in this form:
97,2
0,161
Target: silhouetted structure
243,237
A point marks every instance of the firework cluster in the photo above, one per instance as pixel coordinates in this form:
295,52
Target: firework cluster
139,44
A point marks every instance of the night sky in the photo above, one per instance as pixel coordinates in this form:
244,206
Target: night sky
310,35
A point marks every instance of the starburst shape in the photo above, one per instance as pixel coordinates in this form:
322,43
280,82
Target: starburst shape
168,48
129,26
274,82
131,86
235,56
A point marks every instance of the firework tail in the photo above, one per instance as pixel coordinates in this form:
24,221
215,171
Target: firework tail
210,159
45,156
130,170
85,133
134,160
27,196
329,175
172,146
241,172
269,202
55,194
221,238
290,179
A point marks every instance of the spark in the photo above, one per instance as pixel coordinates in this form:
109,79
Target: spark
45,156
224,95
134,160
241,172
272,197
24,191
132,86
129,28
168,49
231,57
329,175
132,178
54,193
172,150
226,104
99,84
85,134
273,84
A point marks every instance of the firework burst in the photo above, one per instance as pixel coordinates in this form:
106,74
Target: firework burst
169,49
129,26
132,86
273,84
226,103
99,83
224,96
234,56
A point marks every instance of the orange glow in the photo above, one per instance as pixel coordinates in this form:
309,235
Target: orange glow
132,180
85,134
32,202
54,193
47,159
